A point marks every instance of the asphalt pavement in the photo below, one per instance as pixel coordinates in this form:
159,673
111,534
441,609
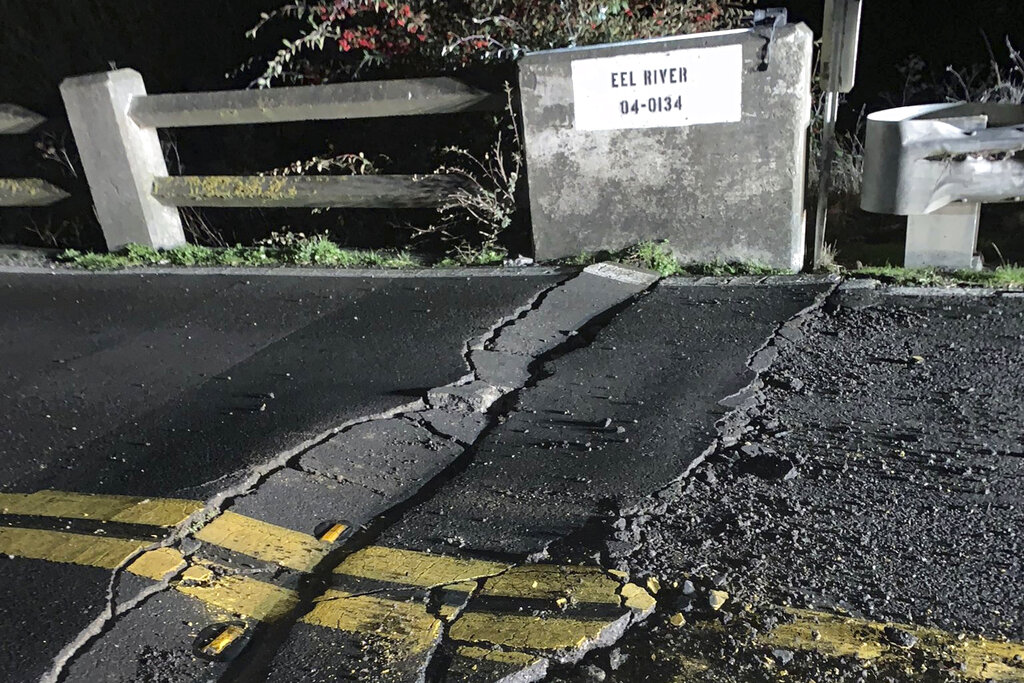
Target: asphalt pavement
560,476
175,386
860,517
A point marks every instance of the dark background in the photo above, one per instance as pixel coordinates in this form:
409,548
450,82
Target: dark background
183,45
191,44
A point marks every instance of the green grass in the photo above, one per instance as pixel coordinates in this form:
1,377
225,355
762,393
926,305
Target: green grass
582,260
659,257
488,256
1000,278
316,251
656,256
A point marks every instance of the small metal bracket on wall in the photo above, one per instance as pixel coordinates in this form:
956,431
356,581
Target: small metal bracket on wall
766,22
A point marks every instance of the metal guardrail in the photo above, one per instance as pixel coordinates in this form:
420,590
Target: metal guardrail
115,123
24,192
937,164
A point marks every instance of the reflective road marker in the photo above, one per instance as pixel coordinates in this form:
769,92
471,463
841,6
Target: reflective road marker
228,636
395,610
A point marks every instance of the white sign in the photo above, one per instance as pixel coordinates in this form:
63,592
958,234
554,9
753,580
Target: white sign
659,89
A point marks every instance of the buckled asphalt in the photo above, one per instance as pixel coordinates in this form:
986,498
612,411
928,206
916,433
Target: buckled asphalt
559,476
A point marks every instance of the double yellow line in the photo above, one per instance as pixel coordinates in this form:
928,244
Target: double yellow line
379,591
407,623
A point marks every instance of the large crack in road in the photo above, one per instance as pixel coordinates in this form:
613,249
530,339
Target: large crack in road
706,442
536,499
457,413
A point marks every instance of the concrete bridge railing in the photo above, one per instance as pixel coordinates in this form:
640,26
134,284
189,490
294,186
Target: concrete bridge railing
115,125
15,120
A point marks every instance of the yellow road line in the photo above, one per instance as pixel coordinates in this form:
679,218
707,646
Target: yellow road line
412,568
57,546
510,657
230,530
89,551
838,636
416,629
236,595
555,583
450,612
268,542
243,596
164,512
407,622
157,564
526,632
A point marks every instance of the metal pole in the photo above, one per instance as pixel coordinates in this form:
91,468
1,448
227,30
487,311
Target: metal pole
828,153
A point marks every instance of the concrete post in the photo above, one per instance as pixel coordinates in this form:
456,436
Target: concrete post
121,160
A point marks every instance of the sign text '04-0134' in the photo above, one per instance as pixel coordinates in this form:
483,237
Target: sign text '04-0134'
659,90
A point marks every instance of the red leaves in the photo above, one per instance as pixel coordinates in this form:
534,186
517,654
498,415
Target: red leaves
378,27
489,30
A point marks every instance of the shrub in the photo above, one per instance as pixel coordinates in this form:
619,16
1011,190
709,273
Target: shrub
336,39
486,201
992,82
504,29
351,33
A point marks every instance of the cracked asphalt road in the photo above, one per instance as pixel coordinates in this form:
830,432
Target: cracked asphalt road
860,516
594,477
175,386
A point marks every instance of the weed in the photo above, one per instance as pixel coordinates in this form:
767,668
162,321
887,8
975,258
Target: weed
345,164
583,259
995,85
142,255
485,256
656,256
829,258
659,257
486,199
91,261
398,259
192,255
318,251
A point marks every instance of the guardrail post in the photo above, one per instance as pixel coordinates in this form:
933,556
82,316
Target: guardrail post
121,160
945,238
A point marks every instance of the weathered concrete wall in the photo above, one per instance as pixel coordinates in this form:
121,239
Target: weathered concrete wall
716,191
